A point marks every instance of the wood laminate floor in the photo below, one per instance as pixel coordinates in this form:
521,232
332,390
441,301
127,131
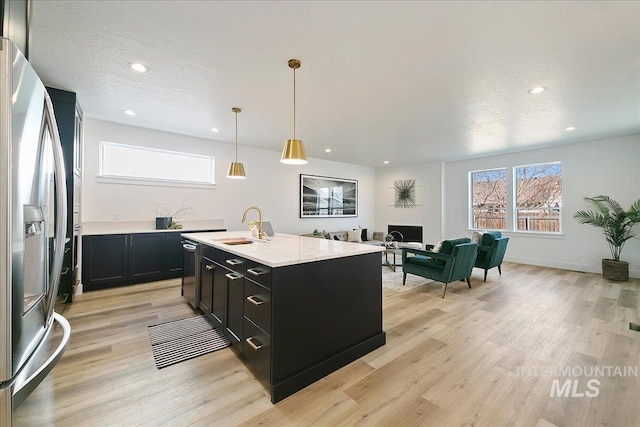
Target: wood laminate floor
483,356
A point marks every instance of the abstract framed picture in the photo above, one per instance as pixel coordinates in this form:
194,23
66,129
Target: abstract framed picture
326,197
405,190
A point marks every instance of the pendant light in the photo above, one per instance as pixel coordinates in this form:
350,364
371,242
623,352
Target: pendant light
236,170
293,153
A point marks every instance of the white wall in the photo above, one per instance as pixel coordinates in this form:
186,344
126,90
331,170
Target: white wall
609,166
270,185
426,213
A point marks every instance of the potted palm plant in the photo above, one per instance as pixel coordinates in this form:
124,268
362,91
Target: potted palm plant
618,227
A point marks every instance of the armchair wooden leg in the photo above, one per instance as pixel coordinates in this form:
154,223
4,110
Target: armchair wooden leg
469,282
500,269
404,277
444,289
485,275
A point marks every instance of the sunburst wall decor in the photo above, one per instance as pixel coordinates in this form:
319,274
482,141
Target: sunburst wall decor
405,190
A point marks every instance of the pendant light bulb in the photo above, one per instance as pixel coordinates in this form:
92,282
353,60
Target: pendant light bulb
293,152
236,170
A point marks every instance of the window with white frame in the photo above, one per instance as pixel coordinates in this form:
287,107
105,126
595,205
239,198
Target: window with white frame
150,166
488,199
538,197
535,206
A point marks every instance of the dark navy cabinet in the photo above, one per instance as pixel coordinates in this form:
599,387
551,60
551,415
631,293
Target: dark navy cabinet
105,261
69,119
205,299
123,259
147,256
174,254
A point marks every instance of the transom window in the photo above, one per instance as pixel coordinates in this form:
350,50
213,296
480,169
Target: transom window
150,166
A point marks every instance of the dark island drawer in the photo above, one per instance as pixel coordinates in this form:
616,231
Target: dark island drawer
259,273
231,261
257,305
257,349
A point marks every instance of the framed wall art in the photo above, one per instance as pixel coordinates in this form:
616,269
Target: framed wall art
405,193
326,197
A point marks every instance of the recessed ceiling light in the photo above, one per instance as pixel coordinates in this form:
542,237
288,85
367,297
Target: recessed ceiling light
327,150
536,89
136,66
216,130
386,162
570,128
130,112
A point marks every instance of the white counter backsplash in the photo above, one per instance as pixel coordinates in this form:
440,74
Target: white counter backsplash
125,227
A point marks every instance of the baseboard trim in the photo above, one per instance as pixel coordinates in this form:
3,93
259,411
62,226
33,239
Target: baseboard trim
565,266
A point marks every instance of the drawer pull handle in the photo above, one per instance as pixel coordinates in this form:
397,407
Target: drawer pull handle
233,261
251,340
256,271
209,267
255,300
65,271
233,276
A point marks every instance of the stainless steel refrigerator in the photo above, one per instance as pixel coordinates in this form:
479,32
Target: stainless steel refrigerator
32,231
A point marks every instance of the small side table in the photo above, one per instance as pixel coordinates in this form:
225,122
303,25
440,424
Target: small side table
393,251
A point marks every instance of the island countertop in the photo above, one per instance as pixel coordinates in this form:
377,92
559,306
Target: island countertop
283,249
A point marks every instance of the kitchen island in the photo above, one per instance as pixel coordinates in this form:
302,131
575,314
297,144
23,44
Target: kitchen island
297,308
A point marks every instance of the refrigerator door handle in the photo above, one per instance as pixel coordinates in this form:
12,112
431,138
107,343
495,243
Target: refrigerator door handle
61,205
22,386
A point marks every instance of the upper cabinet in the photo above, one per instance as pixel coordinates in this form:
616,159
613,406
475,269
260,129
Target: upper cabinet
69,118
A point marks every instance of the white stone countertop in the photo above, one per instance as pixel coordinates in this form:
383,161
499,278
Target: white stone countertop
283,249
126,227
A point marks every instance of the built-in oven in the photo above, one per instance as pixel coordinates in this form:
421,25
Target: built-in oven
190,287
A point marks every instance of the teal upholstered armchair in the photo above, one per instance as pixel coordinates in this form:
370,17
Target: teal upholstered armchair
491,251
454,261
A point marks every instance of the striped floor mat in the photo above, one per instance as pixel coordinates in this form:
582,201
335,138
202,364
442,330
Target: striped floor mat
180,340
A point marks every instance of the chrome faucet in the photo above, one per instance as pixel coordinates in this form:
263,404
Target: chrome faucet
244,217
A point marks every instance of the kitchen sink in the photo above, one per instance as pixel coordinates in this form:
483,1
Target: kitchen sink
236,241
240,240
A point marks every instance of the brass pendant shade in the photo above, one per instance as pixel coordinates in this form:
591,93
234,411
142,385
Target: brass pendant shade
236,170
293,152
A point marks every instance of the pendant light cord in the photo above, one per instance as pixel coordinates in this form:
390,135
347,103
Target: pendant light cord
294,103
236,136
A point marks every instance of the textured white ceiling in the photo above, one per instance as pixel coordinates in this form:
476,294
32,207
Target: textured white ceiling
401,81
